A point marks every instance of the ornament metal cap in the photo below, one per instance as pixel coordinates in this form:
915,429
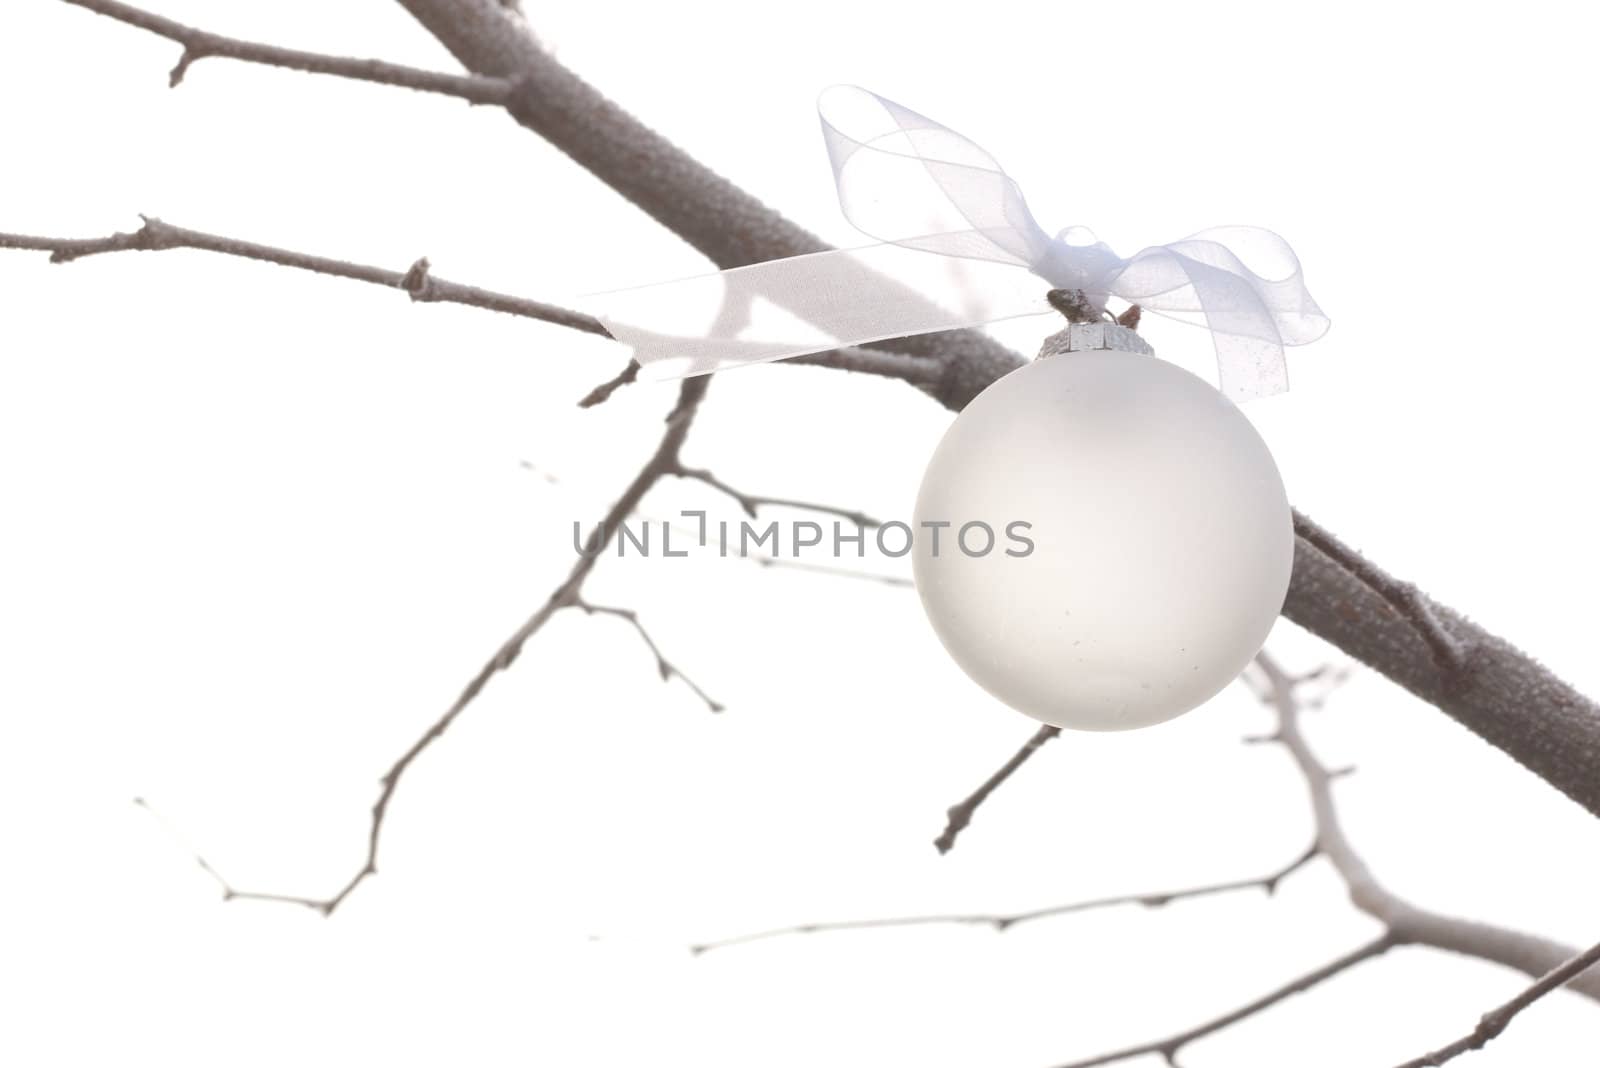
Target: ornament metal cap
1088,337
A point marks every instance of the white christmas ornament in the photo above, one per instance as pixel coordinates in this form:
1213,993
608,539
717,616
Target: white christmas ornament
1161,539
1102,541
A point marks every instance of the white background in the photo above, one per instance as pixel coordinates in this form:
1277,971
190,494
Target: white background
259,528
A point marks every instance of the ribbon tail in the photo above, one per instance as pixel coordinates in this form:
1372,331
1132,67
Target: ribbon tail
1207,280
806,304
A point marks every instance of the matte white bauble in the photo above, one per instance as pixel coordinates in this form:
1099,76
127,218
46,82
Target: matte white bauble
1161,537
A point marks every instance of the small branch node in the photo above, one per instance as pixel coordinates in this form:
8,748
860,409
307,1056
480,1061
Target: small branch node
418,281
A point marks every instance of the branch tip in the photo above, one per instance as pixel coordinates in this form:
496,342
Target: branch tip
181,68
602,393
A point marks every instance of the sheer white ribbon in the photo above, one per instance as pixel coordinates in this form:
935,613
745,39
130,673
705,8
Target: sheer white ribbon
920,189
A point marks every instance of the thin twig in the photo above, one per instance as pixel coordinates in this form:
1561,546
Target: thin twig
418,282
1170,1046
200,44
602,393
750,502
761,559
665,667
1407,923
200,861
661,463
1008,920
766,560
1498,1019
959,815
1403,923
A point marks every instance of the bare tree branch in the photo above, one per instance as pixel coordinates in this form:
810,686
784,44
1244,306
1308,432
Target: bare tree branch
1407,923
417,282
959,815
665,667
1482,681
602,393
750,503
502,42
1403,923
200,44
1004,921
761,559
765,560
1448,651
509,31
1500,693
1498,1019
662,463
1170,1046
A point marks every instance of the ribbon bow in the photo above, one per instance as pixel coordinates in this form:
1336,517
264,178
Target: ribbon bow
953,229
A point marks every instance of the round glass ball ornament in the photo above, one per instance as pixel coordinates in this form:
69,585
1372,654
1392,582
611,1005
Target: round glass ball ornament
1102,540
